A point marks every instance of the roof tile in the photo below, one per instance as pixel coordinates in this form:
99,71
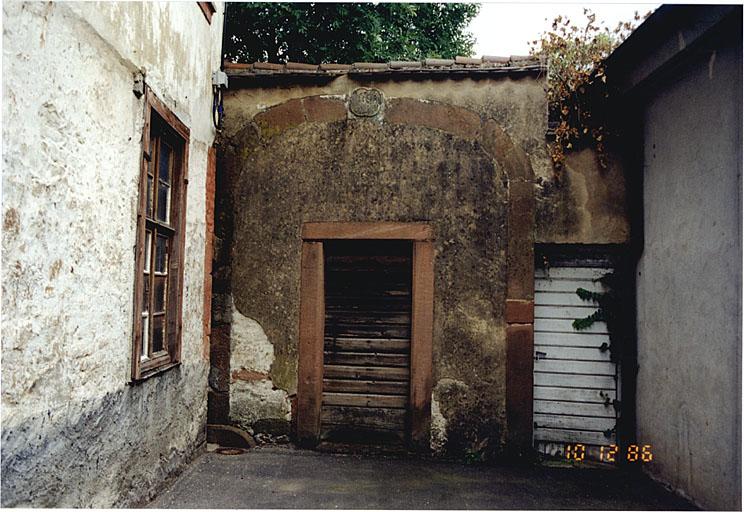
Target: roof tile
399,64
268,66
495,59
467,61
370,65
335,67
488,64
439,62
301,67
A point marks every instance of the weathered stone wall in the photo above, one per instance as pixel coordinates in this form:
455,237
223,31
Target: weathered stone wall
440,151
588,206
74,433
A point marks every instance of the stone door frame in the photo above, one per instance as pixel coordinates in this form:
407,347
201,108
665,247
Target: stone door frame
312,321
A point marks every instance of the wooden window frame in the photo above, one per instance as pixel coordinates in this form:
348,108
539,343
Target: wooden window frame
161,123
207,9
312,321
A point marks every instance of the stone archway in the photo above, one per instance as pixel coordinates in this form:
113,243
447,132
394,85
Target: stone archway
329,120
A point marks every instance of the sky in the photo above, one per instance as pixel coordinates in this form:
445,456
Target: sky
507,28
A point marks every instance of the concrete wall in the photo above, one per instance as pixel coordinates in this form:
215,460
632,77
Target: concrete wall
74,433
291,153
689,281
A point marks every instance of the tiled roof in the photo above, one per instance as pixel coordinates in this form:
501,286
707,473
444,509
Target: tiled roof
458,65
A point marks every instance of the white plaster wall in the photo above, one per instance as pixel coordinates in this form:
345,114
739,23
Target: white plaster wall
72,133
253,395
689,282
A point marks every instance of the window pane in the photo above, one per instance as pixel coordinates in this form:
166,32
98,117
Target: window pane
158,333
161,254
164,162
145,336
148,245
163,202
148,211
146,295
158,300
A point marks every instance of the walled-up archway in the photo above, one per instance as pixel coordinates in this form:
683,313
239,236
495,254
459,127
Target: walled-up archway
366,158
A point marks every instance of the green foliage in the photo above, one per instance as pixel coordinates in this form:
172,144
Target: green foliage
581,324
346,32
476,453
604,300
577,86
587,295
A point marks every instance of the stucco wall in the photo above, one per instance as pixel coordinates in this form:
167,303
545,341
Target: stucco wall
74,433
689,282
588,206
285,173
292,153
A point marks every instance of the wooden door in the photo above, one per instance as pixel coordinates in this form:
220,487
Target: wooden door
367,343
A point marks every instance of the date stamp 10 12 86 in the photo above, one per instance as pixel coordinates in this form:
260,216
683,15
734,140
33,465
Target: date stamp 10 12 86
611,453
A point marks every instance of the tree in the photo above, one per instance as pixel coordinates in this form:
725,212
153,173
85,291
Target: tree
577,86
346,32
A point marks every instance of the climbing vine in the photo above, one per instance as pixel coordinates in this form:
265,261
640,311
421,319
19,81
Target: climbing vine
577,86
611,308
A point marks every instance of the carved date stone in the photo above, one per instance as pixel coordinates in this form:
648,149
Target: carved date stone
365,102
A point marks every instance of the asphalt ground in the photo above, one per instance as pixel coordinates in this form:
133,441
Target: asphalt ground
285,477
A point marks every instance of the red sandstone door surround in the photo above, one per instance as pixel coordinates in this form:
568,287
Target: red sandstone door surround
312,320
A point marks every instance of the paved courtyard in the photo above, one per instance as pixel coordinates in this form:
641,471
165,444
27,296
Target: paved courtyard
284,477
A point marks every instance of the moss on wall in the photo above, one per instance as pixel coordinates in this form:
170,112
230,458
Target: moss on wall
439,151
362,170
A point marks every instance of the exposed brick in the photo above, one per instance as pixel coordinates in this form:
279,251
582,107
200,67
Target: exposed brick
520,311
218,407
467,61
208,249
280,118
324,110
510,157
293,416
519,380
449,118
219,347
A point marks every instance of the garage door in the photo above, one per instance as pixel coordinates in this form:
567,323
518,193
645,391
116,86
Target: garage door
575,382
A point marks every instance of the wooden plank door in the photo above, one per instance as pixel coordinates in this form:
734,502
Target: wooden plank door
367,343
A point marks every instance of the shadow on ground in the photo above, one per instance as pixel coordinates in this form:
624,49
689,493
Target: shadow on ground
284,477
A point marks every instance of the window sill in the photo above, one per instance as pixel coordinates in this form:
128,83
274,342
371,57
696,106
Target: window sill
154,372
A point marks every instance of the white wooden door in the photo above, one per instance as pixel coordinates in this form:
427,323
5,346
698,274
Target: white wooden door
575,382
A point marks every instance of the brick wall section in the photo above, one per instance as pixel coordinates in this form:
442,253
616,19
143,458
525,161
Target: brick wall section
209,246
218,397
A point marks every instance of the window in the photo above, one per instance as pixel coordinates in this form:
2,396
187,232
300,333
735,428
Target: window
160,239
